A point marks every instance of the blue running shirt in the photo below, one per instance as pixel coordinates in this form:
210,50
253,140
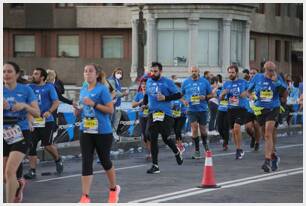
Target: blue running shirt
101,95
21,94
164,86
192,89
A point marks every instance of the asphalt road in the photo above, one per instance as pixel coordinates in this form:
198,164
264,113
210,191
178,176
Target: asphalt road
241,181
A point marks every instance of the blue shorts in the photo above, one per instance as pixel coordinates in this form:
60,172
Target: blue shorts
199,117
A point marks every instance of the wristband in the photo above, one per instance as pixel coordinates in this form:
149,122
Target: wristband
96,104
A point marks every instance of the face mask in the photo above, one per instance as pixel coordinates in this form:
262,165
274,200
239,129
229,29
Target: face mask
118,76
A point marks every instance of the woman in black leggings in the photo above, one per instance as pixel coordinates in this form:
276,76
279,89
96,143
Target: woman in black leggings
96,132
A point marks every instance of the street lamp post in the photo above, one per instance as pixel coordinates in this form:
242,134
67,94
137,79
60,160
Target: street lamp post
140,67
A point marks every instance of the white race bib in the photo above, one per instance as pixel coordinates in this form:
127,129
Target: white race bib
12,134
158,116
39,122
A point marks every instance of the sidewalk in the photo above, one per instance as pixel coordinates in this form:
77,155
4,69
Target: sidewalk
69,150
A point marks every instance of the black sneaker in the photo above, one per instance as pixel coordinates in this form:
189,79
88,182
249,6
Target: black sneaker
256,147
30,175
237,154
274,162
266,166
153,170
59,166
179,158
252,144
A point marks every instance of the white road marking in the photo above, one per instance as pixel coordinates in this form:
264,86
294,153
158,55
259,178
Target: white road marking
95,172
227,184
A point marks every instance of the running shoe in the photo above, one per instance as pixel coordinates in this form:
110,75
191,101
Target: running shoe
252,144
266,166
239,154
30,175
179,158
225,147
85,199
59,166
113,196
19,192
153,170
256,147
275,162
196,155
181,147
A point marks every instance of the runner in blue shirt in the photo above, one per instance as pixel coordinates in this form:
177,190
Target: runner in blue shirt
251,124
268,87
160,91
96,107
222,120
197,91
143,116
179,112
235,92
18,101
43,125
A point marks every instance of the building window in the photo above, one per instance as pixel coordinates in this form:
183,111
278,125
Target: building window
112,47
287,10
172,48
236,42
68,46
208,42
24,45
260,9
252,49
64,5
299,11
277,50
17,6
277,9
287,49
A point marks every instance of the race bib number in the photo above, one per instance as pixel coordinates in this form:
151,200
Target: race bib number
195,100
266,95
91,125
39,122
158,116
145,112
234,101
12,134
224,102
176,113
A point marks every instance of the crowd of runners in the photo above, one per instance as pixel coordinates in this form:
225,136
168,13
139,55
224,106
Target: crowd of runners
29,115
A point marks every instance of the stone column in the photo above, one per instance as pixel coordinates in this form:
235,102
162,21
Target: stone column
193,40
246,48
134,50
226,44
151,41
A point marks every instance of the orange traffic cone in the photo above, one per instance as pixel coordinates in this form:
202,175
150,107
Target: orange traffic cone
208,178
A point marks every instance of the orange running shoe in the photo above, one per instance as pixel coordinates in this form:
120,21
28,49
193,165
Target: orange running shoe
114,195
85,199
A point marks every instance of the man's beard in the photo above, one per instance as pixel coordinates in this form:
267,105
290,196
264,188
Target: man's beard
154,77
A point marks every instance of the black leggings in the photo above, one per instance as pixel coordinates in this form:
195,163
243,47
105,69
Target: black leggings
223,126
102,143
164,128
178,126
